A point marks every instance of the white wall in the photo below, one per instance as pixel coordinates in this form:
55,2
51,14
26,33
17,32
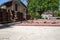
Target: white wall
46,15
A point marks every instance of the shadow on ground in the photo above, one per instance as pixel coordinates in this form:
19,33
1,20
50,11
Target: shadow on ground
7,25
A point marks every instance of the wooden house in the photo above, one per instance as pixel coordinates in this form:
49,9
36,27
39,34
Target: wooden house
12,12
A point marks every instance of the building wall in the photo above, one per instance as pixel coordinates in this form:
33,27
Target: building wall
22,9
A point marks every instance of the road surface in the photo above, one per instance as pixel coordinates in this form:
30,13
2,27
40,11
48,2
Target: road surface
30,33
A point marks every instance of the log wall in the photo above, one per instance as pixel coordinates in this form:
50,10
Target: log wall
7,16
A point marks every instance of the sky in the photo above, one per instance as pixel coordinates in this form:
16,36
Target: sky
2,1
24,1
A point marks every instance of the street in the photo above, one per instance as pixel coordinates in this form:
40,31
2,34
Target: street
30,33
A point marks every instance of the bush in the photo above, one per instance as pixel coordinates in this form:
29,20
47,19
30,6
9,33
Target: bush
57,14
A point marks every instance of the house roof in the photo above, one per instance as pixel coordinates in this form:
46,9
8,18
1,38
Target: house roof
10,2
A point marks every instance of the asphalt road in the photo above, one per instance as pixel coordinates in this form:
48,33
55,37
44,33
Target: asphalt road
30,33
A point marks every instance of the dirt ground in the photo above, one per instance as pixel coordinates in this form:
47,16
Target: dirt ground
40,22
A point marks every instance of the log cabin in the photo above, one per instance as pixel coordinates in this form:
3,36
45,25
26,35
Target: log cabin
12,11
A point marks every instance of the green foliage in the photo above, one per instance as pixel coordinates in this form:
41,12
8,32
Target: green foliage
57,14
38,16
41,5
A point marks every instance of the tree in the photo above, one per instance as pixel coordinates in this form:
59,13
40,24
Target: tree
57,14
34,6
